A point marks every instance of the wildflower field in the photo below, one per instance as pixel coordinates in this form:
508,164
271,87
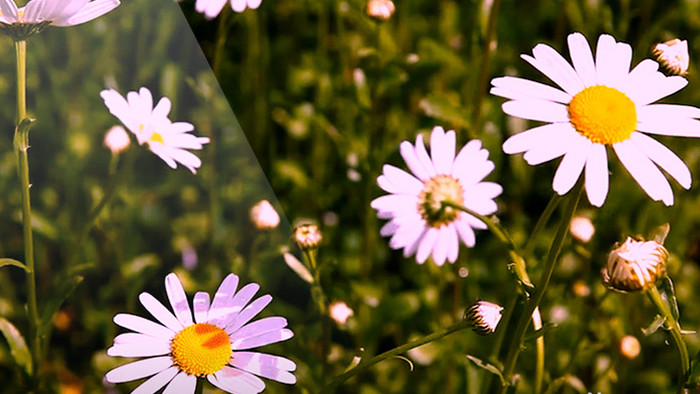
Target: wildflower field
349,196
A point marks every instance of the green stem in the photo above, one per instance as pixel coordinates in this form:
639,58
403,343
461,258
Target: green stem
322,304
534,302
21,146
539,363
672,326
541,222
484,67
363,365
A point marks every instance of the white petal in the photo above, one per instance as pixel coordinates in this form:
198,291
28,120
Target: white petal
139,369
422,155
182,384
674,127
597,175
154,347
537,137
262,326
571,167
144,326
160,312
442,149
178,299
515,88
201,307
409,155
612,61
558,145
647,175
440,248
156,382
90,11
452,241
555,67
236,381
225,292
248,313
543,111
265,365
425,247
399,181
264,339
465,231
664,158
582,58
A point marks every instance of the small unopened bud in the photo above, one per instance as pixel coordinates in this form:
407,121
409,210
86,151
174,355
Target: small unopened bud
673,55
307,236
380,9
117,139
264,216
630,347
635,265
484,316
340,312
581,228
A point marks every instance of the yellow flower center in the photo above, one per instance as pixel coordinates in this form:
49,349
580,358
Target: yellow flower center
201,349
157,137
603,114
436,190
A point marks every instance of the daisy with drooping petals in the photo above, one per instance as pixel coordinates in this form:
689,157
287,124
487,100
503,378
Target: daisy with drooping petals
151,126
213,345
212,8
38,14
418,221
602,104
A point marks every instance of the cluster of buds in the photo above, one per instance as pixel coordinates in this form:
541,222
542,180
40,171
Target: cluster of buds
307,236
673,55
635,265
484,316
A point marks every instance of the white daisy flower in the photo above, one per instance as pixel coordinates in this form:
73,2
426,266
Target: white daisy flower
418,222
180,349
602,103
212,8
38,14
151,126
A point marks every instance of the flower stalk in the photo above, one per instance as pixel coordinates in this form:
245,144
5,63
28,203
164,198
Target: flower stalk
534,301
21,145
671,325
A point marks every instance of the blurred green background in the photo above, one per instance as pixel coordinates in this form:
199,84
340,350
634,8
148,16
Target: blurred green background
322,96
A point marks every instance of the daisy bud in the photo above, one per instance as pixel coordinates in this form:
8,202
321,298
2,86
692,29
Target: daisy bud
581,228
380,9
635,265
340,312
673,55
264,216
630,347
307,236
117,140
484,317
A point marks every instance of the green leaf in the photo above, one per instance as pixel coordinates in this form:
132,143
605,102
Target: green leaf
18,347
545,329
65,288
488,367
669,293
8,261
659,234
439,107
566,380
654,326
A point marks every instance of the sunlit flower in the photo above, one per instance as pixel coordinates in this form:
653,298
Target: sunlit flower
635,265
418,221
581,228
180,349
340,312
21,23
484,316
264,216
307,235
380,9
151,126
117,140
673,55
602,104
212,8
630,346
